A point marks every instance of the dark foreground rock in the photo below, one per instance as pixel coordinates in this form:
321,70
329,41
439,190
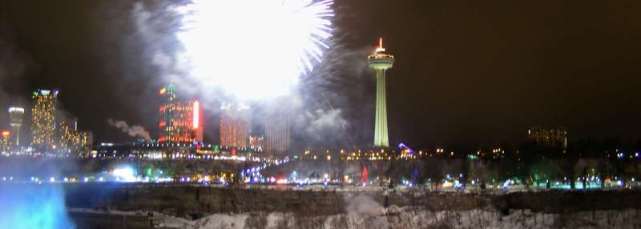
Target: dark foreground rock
212,207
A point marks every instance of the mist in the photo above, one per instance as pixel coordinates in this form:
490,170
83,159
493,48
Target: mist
33,206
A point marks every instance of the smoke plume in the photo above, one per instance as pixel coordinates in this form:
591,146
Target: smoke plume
329,100
335,99
134,131
14,63
324,123
155,26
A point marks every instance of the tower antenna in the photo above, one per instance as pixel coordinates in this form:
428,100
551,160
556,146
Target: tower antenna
380,48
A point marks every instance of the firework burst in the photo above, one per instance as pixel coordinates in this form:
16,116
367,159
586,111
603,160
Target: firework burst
253,49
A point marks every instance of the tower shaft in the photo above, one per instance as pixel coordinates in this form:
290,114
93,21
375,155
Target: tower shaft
16,130
381,138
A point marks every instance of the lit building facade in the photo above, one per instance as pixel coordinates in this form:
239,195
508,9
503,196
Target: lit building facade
16,117
256,143
277,135
234,126
277,127
5,143
549,137
72,140
86,140
43,118
381,61
180,121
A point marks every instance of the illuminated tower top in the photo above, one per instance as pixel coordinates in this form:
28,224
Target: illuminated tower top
380,60
16,116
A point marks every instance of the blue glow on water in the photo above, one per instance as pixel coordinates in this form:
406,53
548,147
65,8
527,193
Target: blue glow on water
33,206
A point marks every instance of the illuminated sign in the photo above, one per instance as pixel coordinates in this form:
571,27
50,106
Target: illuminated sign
196,113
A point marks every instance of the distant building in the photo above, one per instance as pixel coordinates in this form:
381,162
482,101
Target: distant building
4,141
180,121
86,140
43,118
277,137
277,125
256,143
71,140
549,137
234,126
16,117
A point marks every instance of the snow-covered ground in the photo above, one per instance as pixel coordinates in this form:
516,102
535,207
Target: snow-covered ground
363,212
411,218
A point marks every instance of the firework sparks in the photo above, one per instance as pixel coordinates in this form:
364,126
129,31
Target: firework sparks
253,49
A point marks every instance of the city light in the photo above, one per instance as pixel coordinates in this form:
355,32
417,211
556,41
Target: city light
253,49
126,174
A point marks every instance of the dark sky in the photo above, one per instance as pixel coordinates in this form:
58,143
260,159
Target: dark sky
466,71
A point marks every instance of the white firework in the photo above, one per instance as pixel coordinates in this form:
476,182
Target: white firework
253,49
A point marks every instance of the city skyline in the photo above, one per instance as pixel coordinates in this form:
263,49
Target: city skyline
276,126
453,83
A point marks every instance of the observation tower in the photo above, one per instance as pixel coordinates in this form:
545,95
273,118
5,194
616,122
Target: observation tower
380,61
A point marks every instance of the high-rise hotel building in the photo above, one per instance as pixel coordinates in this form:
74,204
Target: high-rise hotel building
180,121
234,126
277,123
43,118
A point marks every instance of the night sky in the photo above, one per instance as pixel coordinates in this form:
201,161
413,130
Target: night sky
466,71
